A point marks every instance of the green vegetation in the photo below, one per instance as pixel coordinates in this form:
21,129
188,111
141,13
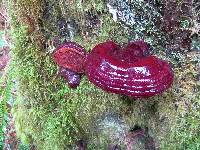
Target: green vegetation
6,84
47,113
51,116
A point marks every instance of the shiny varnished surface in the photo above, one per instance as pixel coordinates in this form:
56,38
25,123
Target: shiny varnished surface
130,70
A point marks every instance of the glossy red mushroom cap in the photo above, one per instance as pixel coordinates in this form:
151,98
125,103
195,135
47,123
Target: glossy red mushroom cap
130,70
70,55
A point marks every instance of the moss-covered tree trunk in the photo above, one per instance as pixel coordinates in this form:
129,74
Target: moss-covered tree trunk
50,115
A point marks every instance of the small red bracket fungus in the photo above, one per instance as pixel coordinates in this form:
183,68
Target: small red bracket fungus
129,71
71,59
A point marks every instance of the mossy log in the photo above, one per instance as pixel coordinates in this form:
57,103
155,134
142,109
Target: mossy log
50,115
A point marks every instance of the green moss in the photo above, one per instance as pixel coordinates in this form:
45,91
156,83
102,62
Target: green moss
184,131
51,116
6,97
46,109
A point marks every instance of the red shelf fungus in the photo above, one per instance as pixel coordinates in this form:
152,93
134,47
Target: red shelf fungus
71,59
130,70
